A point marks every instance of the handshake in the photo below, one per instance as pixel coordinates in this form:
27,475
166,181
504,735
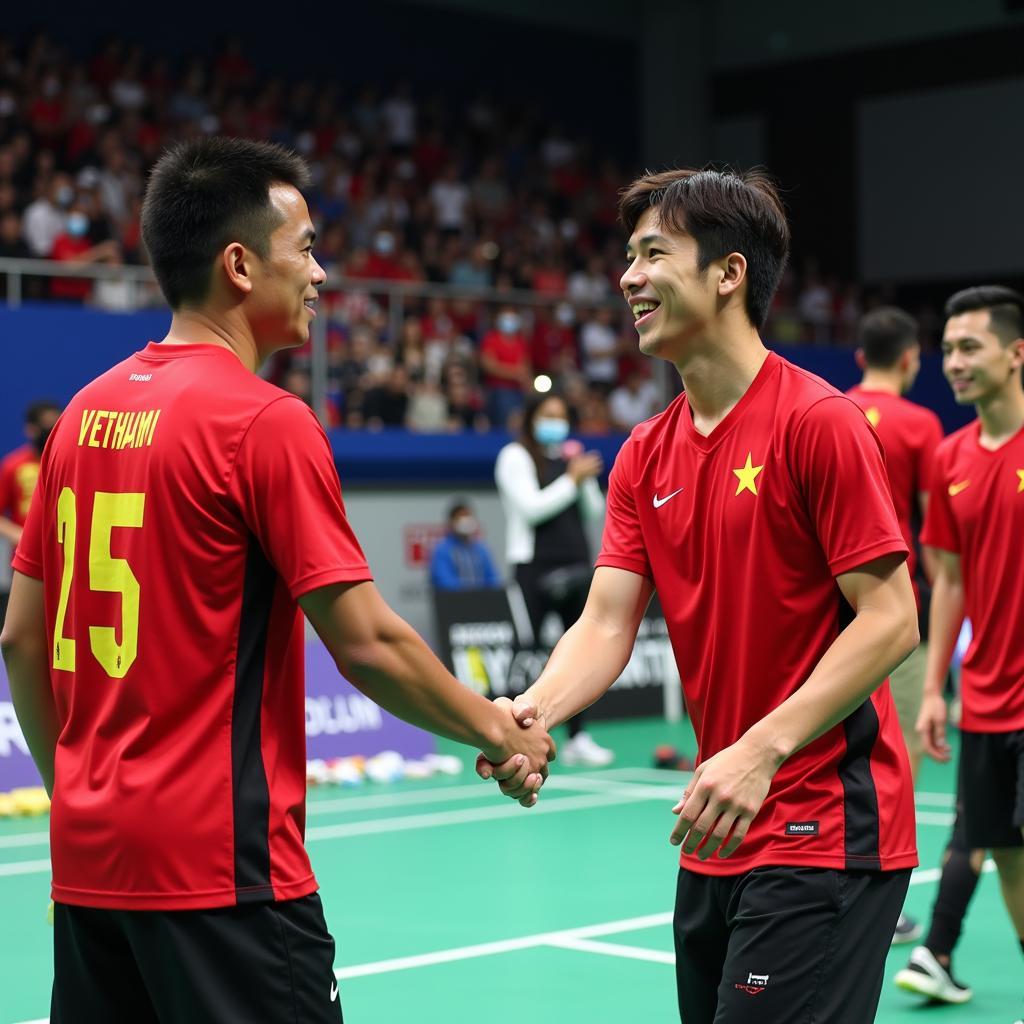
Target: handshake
518,761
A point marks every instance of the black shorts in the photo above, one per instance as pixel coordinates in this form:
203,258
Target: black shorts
265,962
992,788
784,945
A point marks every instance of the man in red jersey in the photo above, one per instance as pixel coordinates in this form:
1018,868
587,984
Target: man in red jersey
185,510
974,522
19,471
758,507
890,356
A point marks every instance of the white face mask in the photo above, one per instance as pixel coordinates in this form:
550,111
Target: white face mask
465,526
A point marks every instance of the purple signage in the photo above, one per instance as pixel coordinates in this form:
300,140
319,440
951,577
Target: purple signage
340,721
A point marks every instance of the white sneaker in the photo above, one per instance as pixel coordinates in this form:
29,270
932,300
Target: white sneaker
925,976
582,749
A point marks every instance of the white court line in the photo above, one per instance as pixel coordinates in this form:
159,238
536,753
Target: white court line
569,938
25,867
615,949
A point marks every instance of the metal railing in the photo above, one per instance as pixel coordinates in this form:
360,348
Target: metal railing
140,291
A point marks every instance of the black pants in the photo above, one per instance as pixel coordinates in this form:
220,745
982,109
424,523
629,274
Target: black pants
263,962
540,602
784,945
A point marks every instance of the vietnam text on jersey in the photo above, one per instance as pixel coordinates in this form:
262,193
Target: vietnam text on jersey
184,505
743,533
977,511
909,434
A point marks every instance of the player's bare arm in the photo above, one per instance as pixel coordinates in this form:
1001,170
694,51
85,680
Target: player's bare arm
586,661
728,789
945,618
388,660
26,656
10,530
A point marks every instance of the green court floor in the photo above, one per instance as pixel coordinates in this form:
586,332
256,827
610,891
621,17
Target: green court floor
451,906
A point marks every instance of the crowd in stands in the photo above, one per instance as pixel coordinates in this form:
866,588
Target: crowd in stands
407,189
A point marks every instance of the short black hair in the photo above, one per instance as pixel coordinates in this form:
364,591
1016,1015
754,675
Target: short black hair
34,412
459,505
885,334
1005,308
725,211
204,194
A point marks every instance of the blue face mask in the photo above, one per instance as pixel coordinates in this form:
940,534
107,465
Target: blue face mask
550,431
78,224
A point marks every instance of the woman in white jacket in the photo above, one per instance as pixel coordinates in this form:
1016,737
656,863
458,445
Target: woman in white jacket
549,491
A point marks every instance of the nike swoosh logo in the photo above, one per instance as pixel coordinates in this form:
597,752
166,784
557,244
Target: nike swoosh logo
658,502
955,489
334,993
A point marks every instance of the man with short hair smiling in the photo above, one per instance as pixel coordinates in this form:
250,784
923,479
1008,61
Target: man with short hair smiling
185,510
974,523
758,507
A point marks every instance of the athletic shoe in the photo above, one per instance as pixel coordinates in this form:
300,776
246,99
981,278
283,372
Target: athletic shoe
907,930
582,749
925,976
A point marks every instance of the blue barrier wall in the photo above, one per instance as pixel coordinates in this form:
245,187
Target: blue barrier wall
51,351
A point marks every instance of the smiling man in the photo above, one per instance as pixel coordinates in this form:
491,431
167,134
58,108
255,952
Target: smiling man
758,506
185,509
974,521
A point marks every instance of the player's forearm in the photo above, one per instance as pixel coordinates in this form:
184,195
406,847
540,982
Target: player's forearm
10,530
852,668
945,618
398,671
27,664
584,664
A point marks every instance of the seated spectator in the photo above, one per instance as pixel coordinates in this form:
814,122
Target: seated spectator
12,245
553,342
465,402
591,284
74,246
594,420
505,364
599,349
428,408
45,217
387,404
633,402
461,561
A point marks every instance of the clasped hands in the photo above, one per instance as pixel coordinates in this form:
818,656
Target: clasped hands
521,775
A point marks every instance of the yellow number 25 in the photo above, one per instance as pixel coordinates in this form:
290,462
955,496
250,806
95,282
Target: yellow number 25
107,574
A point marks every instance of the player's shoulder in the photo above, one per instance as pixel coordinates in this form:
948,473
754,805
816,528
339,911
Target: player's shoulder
950,445
804,398
15,458
916,413
649,432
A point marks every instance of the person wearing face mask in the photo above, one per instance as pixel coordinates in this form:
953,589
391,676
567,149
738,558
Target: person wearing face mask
548,492
18,474
505,363
461,561
73,245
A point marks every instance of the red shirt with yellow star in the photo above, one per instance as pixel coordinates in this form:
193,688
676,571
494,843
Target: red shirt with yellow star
19,472
976,510
743,533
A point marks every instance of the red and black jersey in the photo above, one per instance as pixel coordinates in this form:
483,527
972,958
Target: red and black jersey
909,434
976,510
19,472
183,507
743,533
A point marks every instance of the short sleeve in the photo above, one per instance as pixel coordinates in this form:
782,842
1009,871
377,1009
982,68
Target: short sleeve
288,494
28,556
838,463
940,529
622,546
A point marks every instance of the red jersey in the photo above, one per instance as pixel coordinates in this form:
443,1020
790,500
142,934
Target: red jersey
509,351
183,506
976,510
909,434
19,472
743,533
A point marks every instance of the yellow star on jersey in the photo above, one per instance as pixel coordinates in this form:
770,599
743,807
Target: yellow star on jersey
1020,486
747,475
873,416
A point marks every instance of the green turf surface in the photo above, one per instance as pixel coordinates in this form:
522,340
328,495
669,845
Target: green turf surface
570,901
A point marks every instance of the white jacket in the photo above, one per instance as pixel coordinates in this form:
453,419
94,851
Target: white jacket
527,504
